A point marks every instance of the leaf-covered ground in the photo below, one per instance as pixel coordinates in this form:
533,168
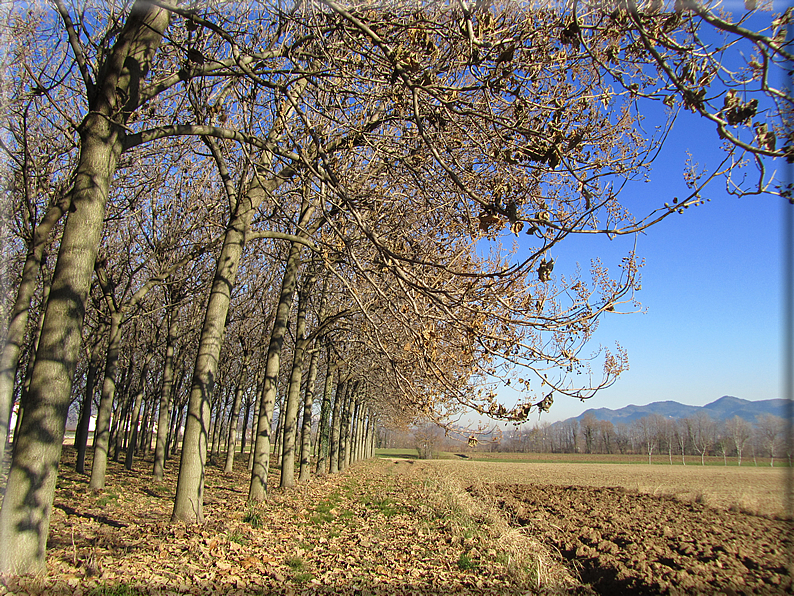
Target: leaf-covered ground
377,528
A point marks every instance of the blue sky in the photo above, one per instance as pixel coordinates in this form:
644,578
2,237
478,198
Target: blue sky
712,287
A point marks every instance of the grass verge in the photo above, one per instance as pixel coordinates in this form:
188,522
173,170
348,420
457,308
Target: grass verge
485,537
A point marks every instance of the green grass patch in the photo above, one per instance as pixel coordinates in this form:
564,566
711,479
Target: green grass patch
406,453
295,563
106,499
386,506
324,510
238,537
466,563
299,571
160,489
302,576
254,517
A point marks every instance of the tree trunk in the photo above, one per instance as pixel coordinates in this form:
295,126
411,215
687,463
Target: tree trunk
344,433
336,426
365,435
362,434
147,441
220,423
259,389
280,431
352,402
189,502
323,427
145,437
81,436
176,437
238,397
306,432
121,423
136,412
355,422
18,321
294,390
248,406
32,358
258,488
25,515
102,430
362,422
132,433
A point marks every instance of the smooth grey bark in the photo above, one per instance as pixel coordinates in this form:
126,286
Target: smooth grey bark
25,515
127,400
357,420
367,432
306,432
102,430
258,489
373,435
145,442
360,425
323,429
336,426
279,430
344,434
179,422
290,422
121,422
213,432
238,400
350,451
260,387
136,411
219,435
81,434
248,406
189,502
32,357
244,424
18,321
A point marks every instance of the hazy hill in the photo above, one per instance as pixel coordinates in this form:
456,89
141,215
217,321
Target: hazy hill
722,409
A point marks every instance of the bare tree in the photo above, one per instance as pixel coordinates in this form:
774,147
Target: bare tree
589,426
739,431
667,434
703,429
648,431
769,429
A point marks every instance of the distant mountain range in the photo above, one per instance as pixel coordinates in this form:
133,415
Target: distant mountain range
724,408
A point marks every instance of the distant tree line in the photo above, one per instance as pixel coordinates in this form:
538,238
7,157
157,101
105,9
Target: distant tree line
697,436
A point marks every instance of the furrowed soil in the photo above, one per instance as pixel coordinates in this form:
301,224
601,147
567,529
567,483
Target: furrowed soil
634,529
399,526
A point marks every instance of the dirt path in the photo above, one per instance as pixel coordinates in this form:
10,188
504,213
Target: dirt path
623,542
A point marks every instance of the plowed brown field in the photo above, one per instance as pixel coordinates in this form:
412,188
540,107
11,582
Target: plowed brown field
639,529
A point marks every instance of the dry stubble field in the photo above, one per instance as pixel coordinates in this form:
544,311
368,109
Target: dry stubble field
647,529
